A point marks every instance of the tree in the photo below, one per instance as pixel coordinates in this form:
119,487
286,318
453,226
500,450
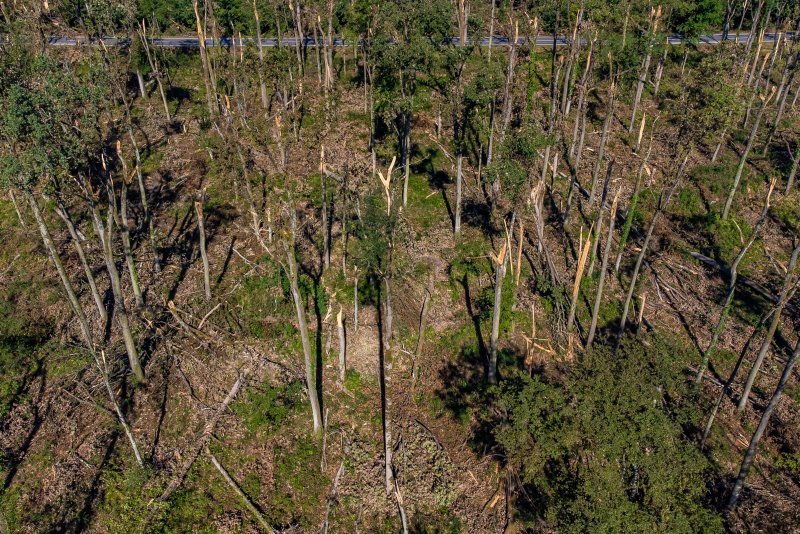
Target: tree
762,426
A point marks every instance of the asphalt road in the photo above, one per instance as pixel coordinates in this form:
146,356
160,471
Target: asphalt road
193,42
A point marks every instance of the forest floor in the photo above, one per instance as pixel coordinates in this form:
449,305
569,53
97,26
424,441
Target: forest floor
70,455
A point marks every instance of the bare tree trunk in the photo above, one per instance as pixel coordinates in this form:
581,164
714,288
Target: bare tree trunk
655,15
573,52
197,444
793,171
201,37
140,79
342,345
241,494
148,215
745,153
507,95
420,336
13,199
105,233
727,387
606,251
782,97
262,85
121,219
62,273
626,229
355,303
389,313
303,327
457,223
786,291
76,240
662,205
103,368
601,150
406,155
762,426
734,271
499,274
201,230
326,234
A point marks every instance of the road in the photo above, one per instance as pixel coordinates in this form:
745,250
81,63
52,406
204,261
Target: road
193,42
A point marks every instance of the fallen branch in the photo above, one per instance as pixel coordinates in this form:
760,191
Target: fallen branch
235,487
205,435
745,281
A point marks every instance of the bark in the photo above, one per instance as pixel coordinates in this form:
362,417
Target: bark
406,155
140,80
573,52
507,96
662,205
197,444
745,153
105,233
355,303
77,242
762,426
603,267
727,387
241,494
420,335
148,215
637,188
655,15
16,208
207,78
793,171
726,307
62,273
262,85
121,219
601,150
576,286
389,314
457,223
342,346
786,292
103,368
303,328
499,274
326,234
201,230
782,97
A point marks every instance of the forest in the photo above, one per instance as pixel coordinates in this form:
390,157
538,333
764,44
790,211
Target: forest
430,266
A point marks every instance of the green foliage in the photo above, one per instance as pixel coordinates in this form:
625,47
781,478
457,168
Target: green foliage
299,487
510,175
786,209
265,296
606,451
715,176
266,408
790,462
727,239
470,260
34,113
128,494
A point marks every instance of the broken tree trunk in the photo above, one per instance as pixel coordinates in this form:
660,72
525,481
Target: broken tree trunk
726,307
762,426
783,299
607,250
201,230
662,205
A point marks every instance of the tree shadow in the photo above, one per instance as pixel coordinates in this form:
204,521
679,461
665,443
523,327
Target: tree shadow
13,460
